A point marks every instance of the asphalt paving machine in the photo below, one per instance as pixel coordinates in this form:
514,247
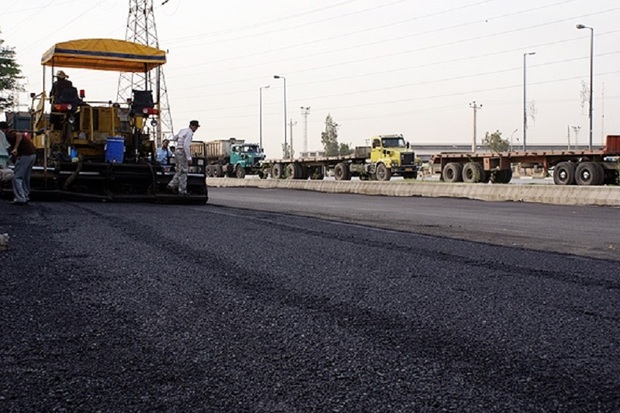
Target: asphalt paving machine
103,150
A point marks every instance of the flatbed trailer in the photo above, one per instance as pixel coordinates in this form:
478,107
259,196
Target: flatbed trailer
570,167
388,155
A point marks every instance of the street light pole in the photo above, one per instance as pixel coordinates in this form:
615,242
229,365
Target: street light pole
305,111
525,55
511,135
260,114
581,26
285,136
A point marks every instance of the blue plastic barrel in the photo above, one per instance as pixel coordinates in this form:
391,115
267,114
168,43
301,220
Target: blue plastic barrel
115,149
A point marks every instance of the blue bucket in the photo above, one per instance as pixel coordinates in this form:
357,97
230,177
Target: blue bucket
115,149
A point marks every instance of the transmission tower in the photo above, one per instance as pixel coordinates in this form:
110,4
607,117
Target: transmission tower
141,29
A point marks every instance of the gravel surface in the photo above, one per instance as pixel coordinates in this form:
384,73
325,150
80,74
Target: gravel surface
136,308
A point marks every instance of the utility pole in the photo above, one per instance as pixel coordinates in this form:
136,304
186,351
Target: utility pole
603,115
305,111
141,29
291,151
475,107
525,55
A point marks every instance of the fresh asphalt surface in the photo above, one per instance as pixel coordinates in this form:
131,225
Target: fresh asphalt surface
139,308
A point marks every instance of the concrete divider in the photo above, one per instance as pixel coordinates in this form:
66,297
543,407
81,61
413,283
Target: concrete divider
546,194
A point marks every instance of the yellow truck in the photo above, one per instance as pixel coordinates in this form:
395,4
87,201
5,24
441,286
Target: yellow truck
387,155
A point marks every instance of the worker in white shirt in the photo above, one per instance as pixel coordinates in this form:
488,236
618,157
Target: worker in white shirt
183,158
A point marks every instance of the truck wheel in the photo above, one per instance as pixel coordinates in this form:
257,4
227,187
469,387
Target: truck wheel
564,173
452,172
503,176
589,173
262,174
293,171
240,172
383,172
218,171
277,171
209,171
341,172
611,177
472,173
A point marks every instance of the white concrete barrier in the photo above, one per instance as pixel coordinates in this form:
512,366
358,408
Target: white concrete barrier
546,194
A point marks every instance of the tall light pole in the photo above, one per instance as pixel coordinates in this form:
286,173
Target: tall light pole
285,136
525,55
260,113
511,135
581,26
475,107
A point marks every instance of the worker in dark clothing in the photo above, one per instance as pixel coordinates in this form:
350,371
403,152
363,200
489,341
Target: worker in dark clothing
24,153
62,82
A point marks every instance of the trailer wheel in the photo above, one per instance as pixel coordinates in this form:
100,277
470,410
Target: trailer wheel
341,172
383,172
263,173
564,173
277,171
452,172
240,172
472,173
293,171
218,171
502,176
611,177
589,173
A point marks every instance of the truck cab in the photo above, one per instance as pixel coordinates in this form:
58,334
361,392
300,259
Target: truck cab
391,155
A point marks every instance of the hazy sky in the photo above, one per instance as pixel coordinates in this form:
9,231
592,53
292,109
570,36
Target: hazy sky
377,66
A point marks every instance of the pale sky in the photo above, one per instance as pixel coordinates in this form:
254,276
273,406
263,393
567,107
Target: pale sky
377,66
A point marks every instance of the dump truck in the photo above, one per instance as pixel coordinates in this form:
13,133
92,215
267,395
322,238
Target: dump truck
103,150
386,156
233,158
571,167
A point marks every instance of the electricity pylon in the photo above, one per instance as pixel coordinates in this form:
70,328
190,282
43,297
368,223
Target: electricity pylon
141,29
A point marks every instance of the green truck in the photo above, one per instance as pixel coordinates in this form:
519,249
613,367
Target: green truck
233,158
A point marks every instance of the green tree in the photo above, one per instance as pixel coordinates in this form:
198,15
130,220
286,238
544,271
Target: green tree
495,143
10,74
329,138
345,149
